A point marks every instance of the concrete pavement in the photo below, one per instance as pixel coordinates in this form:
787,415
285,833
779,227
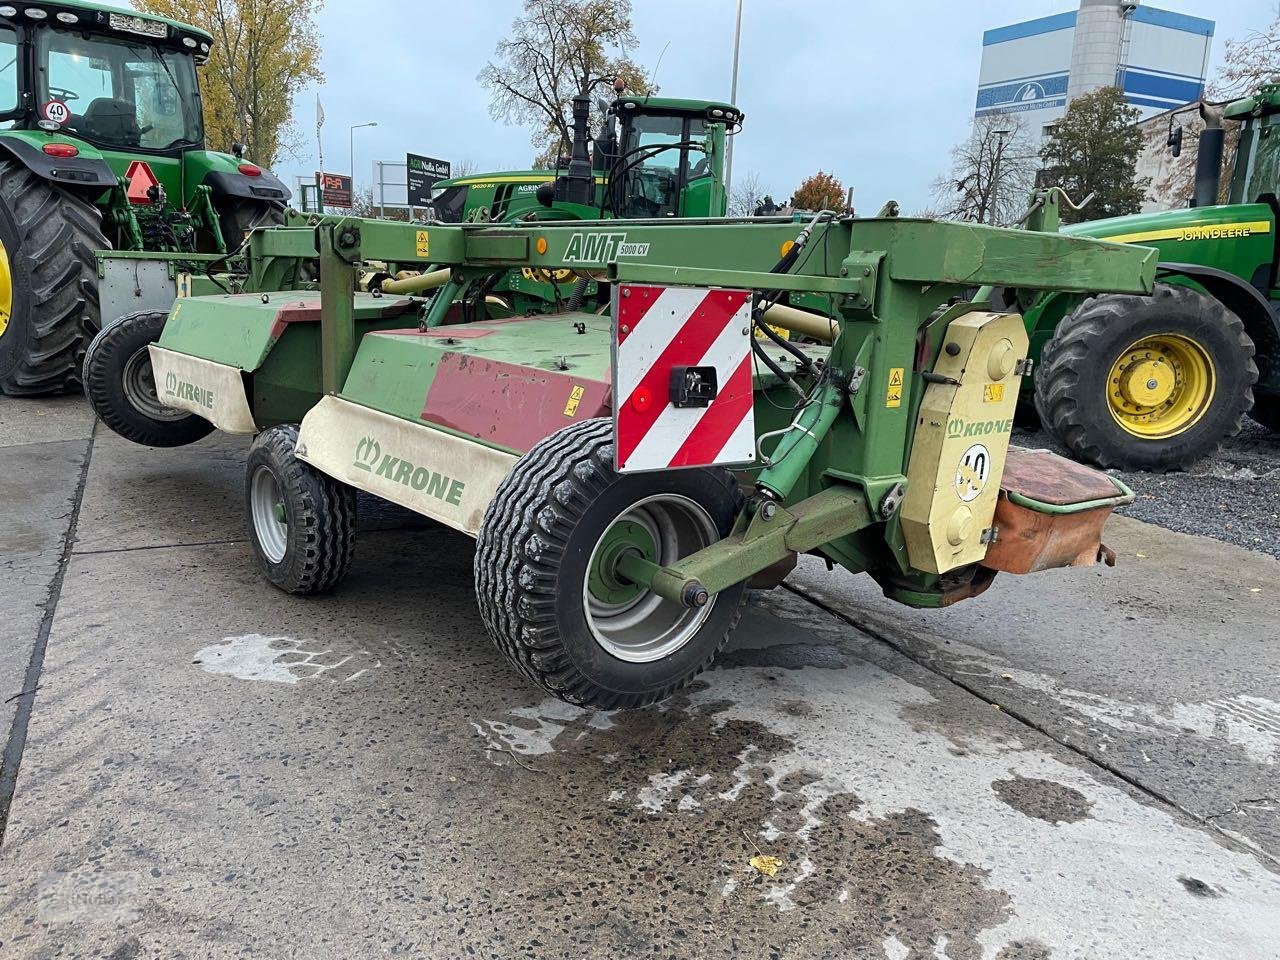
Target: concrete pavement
213,769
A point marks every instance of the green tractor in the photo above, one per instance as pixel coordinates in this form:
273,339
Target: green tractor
654,157
1156,383
102,147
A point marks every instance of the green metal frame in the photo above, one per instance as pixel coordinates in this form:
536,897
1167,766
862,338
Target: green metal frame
838,470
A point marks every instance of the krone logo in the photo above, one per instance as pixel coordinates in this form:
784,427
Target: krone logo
368,453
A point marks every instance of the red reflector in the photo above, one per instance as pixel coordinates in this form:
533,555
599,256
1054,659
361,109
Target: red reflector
641,399
249,170
64,150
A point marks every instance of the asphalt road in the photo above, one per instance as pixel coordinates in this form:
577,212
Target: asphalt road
1077,764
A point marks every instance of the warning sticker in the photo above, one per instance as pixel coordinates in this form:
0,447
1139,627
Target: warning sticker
973,472
575,398
893,396
993,393
56,111
423,246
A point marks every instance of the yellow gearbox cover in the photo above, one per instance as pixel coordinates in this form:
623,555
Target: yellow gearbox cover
962,440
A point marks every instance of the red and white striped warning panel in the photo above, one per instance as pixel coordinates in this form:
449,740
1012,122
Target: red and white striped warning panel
681,377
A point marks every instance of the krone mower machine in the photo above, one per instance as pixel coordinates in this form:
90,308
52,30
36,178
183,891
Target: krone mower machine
629,476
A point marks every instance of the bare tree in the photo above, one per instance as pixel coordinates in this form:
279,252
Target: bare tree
747,194
991,173
464,168
555,50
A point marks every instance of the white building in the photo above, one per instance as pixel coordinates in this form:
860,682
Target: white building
1034,68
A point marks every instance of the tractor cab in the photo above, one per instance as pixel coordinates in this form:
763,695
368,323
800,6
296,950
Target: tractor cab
662,157
1256,177
654,157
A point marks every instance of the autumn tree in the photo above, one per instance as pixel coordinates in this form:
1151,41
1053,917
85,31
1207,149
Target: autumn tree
1094,150
822,191
992,171
555,50
264,52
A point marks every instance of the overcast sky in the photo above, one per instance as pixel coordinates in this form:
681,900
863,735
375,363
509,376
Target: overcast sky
876,92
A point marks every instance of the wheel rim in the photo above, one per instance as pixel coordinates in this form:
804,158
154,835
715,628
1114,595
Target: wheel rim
6,290
630,622
139,382
1161,386
266,505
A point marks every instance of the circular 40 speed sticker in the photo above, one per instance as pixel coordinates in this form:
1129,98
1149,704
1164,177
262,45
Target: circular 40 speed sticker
57,111
973,472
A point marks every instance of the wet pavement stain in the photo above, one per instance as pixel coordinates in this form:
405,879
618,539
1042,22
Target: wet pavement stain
1024,950
659,864
1043,799
1197,887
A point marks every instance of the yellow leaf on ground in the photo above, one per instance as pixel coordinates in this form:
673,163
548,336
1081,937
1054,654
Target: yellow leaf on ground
766,864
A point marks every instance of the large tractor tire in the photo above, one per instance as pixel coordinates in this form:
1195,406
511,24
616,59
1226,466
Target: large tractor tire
546,581
1146,383
48,282
1266,411
238,218
121,386
302,522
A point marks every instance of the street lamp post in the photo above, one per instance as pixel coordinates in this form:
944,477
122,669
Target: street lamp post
354,128
733,98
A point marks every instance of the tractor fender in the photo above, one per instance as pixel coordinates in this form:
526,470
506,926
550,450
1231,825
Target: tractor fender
1242,299
88,171
237,185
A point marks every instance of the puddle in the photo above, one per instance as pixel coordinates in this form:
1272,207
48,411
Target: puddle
282,660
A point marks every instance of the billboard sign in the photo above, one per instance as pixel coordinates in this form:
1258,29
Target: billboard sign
335,190
424,173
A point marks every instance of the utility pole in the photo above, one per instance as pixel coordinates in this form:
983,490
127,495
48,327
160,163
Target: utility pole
733,98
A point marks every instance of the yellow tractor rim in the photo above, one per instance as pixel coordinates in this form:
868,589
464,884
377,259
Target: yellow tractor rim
6,290
1161,386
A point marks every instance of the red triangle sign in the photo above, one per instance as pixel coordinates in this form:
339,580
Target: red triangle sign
141,179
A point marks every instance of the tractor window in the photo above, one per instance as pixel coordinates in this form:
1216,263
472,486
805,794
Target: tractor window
450,203
655,176
119,93
8,71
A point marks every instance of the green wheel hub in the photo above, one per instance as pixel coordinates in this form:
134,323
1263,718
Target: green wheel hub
605,583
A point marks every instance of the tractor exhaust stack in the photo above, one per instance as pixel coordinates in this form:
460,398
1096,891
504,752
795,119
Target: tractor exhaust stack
1209,157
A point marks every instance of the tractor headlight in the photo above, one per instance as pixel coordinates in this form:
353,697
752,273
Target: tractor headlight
65,17
8,11
35,13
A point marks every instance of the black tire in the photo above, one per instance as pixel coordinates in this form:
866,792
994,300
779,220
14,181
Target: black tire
316,541
238,217
49,237
121,388
1072,388
1266,410
533,556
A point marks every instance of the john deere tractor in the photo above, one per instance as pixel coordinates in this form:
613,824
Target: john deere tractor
653,158
1155,383
102,146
